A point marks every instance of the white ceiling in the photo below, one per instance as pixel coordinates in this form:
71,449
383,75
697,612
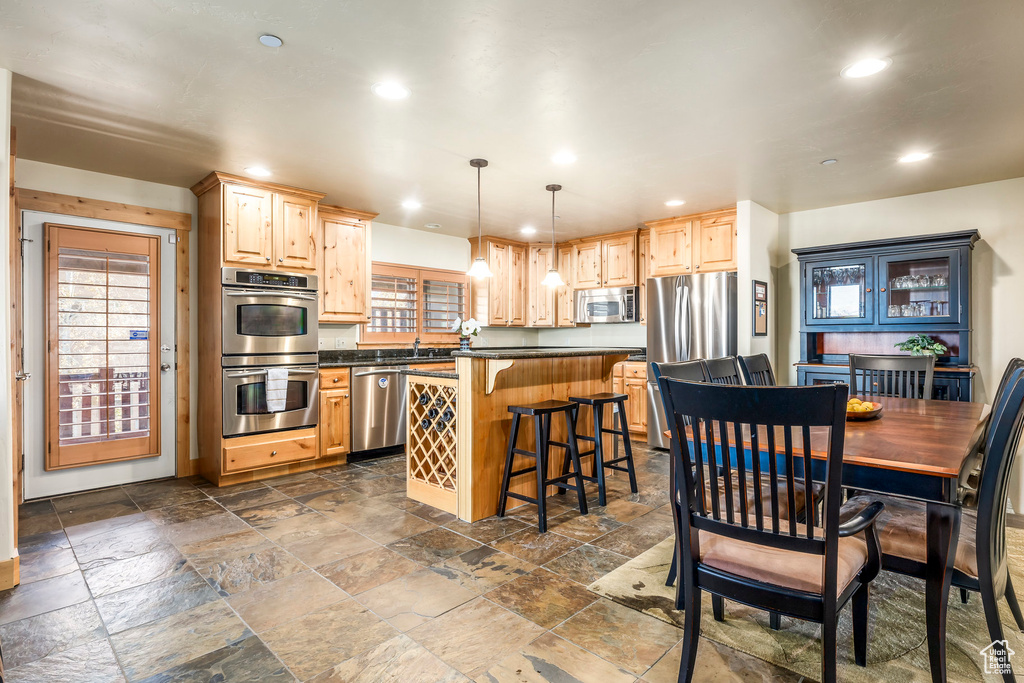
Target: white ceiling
712,101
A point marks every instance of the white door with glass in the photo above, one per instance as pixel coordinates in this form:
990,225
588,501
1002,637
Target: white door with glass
99,349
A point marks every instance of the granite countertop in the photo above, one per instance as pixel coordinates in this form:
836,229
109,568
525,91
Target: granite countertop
362,362
431,373
526,353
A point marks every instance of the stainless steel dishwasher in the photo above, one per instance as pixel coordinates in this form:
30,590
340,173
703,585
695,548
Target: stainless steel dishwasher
378,407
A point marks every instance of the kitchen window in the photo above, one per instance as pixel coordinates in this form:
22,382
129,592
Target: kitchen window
407,303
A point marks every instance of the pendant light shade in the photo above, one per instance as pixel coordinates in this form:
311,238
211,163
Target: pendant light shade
479,269
553,278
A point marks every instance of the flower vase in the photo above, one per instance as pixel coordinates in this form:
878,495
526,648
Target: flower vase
463,343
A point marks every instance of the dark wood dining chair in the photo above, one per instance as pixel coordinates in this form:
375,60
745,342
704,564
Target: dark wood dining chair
754,556
971,475
757,370
690,370
980,564
899,376
724,370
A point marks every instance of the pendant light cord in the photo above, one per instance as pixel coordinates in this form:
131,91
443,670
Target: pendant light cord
479,224
552,223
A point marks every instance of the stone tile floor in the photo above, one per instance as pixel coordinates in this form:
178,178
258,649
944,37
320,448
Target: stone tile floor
337,576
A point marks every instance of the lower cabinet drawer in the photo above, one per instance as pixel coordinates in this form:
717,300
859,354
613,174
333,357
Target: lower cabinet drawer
267,450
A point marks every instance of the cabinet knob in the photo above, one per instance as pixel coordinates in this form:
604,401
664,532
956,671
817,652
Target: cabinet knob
351,282
880,290
344,395
280,260
273,453
335,380
268,259
868,289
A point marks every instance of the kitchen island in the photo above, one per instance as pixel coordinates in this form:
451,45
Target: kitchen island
456,464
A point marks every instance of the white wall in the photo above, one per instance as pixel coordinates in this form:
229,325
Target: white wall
7,540
625,334
34,175
757,238
996,210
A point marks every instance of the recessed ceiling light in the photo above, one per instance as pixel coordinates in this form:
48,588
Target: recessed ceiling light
564,157
258,171
914,156
829,162
411,204
390,90
271,40
675,202
432,226
529,230
865,67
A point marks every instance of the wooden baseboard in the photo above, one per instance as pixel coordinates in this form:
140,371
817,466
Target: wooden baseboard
10,573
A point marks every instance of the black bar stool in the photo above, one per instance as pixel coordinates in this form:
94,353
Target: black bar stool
542,412
598,402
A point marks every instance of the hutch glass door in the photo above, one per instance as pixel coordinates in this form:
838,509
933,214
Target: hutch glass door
839,292
919,288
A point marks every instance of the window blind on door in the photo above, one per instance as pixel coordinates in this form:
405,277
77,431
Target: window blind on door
103,354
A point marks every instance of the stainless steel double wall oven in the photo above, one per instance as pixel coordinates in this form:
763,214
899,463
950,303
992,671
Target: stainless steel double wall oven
269,351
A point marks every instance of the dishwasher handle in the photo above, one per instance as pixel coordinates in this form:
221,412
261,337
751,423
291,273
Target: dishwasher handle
378,372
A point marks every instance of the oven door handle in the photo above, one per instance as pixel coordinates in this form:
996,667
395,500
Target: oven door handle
282,295
303,372
246,373
379,372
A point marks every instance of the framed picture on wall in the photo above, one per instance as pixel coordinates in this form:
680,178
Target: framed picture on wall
760,325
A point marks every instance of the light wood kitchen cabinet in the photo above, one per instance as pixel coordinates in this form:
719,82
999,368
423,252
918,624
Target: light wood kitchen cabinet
609,261
500,300
714,243
261,225
643,268
541,296
335,412
587,258
345,267
564,300
630,378
671,248
618,261
248,221
295,233
701,243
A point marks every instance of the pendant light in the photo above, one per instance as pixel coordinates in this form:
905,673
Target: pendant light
553,278
479,268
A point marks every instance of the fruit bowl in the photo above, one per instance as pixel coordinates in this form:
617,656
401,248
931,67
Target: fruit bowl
853,414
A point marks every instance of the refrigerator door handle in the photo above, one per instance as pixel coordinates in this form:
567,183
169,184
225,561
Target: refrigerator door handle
683,321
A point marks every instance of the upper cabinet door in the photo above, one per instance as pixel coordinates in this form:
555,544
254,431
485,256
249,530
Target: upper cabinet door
644,267
517,285
542,297
294,233
345,271
839,292
714,245
588,265
619,261
248,217
564,302
671,249
497,284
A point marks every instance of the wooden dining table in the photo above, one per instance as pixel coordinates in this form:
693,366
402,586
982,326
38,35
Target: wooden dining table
915,449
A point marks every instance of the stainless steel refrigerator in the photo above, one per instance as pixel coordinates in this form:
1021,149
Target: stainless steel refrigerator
688,317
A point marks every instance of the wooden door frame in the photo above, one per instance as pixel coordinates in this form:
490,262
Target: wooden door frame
83,207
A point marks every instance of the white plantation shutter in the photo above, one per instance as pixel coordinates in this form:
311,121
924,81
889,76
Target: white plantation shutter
393,304
443,303
407,303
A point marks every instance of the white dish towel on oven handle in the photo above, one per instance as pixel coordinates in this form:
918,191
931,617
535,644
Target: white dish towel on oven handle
277,389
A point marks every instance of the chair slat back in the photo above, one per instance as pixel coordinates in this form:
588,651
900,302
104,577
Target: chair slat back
689,370
757,370
898,376
777,421
1004,433
724,370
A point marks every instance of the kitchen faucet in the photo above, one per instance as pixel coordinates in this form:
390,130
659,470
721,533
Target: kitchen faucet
416,348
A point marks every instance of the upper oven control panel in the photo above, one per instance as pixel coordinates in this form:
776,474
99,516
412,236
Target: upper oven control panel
267,279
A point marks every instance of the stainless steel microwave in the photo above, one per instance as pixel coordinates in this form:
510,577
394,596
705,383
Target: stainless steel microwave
608,305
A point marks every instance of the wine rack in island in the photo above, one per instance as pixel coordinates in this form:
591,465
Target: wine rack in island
432,442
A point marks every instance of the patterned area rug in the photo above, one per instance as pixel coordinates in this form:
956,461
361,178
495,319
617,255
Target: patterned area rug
896,639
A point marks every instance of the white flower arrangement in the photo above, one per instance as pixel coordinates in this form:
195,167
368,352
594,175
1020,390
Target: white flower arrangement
467,328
